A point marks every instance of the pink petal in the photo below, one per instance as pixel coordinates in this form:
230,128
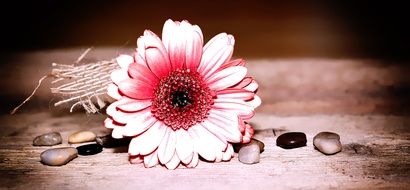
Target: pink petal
245,82
255,102
119,75
226,78
224,132
132,105
174,39
206,144
253,86
148,141
136,89
219,156
248,133
184,146
112,109
124,61
142,73
215,54
117,133
228,154
193,48
232,93
151,160
166,148
136,159
173,163
112,91
139,124
152,50
194,161
238,107
236,62
111,124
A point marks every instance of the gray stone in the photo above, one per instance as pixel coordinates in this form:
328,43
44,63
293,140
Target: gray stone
249,154
82,136
327,142
48,139
238,146
58,156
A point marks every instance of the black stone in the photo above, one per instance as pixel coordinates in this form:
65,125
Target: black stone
291,140
89,149
109,142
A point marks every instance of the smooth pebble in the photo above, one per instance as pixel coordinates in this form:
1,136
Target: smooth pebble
48,139
238,146
89,149
249,154
58,156
82,136
327,142
291,140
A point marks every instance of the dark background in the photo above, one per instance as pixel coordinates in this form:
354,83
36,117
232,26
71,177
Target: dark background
263,28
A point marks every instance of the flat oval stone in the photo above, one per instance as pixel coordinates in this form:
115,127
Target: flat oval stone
238,146
109,142
48,139
82,136
291,140
327,142
58,156
249,154
89,149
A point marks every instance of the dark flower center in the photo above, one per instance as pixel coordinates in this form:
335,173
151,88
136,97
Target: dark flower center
182,99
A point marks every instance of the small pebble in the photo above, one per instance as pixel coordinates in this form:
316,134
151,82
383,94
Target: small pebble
291,140
327,142
89,149
249,154
82,136
238,146
48,139
58,156
109,142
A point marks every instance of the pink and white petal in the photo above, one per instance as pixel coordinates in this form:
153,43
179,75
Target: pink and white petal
215,54
173,163
255,102
132,105
124,61
111,124
140,124
245,82
119,75
218,37
117,133
222,131
253,86
184,146
166,148
148,141
174,39
193,50
205,143
194,161
112,109
151,160
136,89
219,156
136,159
232,63
143,73
112,91
248,133
233,93
124,117
158,62
228,154
238,107
227,78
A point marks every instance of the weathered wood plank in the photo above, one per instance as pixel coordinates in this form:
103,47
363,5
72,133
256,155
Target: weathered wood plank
376,154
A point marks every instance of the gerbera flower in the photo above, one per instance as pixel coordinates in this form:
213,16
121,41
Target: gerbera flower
179,100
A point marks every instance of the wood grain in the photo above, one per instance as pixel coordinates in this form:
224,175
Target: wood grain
376,155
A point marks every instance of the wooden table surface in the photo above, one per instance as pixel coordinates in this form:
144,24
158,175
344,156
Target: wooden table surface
354,98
